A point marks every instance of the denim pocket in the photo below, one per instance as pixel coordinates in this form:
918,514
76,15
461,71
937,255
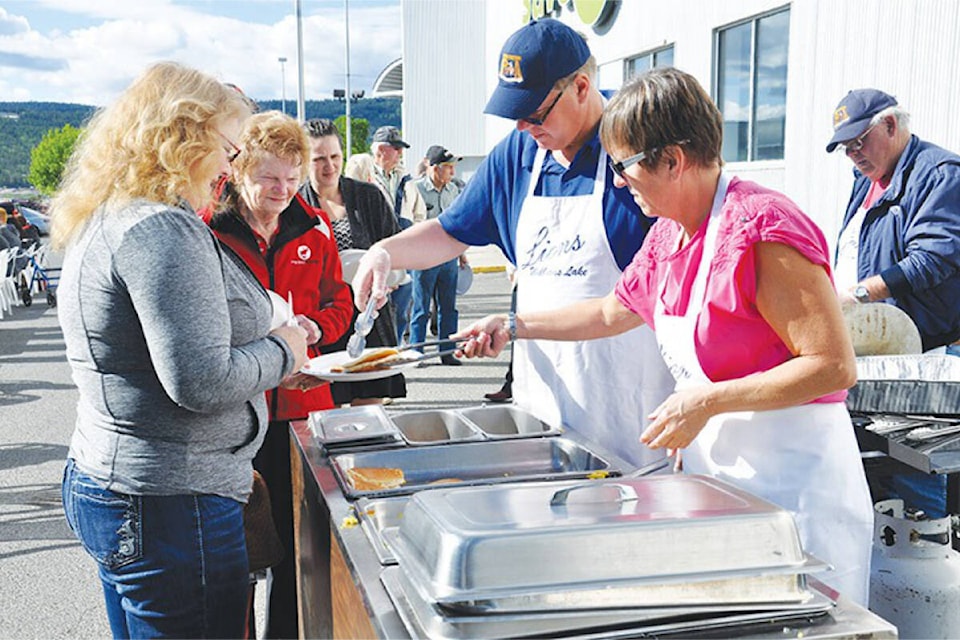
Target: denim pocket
107,523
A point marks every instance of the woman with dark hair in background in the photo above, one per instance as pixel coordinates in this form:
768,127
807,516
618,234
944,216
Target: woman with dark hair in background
360,216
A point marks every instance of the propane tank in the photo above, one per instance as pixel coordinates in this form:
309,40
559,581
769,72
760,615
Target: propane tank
915,573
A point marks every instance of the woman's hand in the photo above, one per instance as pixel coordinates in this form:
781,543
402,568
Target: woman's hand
314,334
301,381
678,420
296,339
484,338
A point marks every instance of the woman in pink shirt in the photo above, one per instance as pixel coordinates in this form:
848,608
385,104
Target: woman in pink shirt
736,282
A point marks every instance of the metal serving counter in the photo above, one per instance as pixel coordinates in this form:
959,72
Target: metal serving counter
339,573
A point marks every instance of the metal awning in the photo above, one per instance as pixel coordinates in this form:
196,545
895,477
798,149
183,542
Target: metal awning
390,81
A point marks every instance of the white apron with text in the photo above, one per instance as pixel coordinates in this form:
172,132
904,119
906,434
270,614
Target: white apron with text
804,459
603,389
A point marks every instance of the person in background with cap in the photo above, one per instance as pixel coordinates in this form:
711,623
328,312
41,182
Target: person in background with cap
900,237
546,196
404,198
438,192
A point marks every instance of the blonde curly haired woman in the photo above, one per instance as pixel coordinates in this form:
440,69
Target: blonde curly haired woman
168,338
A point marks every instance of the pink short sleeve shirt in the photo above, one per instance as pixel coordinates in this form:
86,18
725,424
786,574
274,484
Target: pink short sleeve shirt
732,338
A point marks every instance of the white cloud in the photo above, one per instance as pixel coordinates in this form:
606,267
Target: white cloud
91,64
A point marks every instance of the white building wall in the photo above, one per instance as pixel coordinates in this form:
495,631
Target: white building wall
909,48
443,90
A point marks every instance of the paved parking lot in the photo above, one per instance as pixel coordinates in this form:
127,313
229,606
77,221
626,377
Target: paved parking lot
48,584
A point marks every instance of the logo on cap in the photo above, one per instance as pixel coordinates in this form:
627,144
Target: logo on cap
510,68
840,116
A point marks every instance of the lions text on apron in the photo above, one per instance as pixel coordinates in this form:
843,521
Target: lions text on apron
804,458
603,389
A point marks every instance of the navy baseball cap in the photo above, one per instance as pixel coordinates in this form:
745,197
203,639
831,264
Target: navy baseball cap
531,61
852,116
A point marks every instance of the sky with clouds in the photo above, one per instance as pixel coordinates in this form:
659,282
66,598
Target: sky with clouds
87,51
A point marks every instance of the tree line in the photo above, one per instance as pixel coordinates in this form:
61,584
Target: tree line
23,125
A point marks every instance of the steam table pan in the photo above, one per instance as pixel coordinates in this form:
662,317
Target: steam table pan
502,543
507,422
435,426
353,426
473,463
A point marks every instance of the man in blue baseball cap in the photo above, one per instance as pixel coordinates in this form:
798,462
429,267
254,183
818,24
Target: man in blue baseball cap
545,196
900,237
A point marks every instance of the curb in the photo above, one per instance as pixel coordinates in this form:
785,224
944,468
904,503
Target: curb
490,269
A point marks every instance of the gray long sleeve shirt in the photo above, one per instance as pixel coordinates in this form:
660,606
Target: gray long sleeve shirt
166,334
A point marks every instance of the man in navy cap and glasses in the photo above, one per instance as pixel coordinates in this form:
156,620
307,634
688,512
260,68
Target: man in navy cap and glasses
545,196
900,237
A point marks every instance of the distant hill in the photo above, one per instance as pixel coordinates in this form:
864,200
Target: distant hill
23,125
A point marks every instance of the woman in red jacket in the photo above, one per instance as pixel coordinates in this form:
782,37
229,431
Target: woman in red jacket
289,246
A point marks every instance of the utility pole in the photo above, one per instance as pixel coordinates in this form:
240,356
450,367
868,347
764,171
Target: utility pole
347,94
301,108
283,85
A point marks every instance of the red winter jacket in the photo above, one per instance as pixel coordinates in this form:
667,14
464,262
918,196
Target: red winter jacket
303,259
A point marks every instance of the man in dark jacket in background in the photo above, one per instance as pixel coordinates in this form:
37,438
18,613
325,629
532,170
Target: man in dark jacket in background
900,239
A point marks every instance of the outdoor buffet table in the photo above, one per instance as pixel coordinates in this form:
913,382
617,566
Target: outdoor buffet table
342,594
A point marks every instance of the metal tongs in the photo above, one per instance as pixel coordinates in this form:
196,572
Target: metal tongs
361,329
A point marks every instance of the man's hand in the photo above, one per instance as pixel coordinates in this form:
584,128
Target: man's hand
485,338
371,278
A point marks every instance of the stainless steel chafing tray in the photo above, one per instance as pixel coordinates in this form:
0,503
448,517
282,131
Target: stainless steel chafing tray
380,519
352,426
425,619
473,463
434,427
507,422
496,543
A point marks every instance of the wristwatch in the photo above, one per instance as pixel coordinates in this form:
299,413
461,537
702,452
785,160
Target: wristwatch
860,294
512,325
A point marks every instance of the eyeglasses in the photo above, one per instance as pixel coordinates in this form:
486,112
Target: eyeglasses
538,122
857,143
231,155
626,163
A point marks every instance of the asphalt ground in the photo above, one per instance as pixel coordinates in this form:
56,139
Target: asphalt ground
48,585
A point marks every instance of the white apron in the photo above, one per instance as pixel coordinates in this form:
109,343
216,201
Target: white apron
804,458
603,389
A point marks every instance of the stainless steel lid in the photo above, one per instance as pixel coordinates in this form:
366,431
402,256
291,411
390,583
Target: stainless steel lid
492,541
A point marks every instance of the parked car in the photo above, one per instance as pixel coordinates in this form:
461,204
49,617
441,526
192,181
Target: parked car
40,220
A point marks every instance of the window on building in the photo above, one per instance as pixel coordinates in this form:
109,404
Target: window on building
662,57
751,86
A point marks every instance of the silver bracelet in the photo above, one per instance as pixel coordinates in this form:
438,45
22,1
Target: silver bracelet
512,325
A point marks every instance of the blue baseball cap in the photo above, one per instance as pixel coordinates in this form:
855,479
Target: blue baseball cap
531,61
854,113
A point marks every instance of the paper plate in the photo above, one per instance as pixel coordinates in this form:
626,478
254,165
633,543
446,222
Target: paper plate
464,279
320,368
350,260
880,329
281,310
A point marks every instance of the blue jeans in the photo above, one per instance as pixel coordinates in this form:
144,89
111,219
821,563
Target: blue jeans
402,298
443,279
170,566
